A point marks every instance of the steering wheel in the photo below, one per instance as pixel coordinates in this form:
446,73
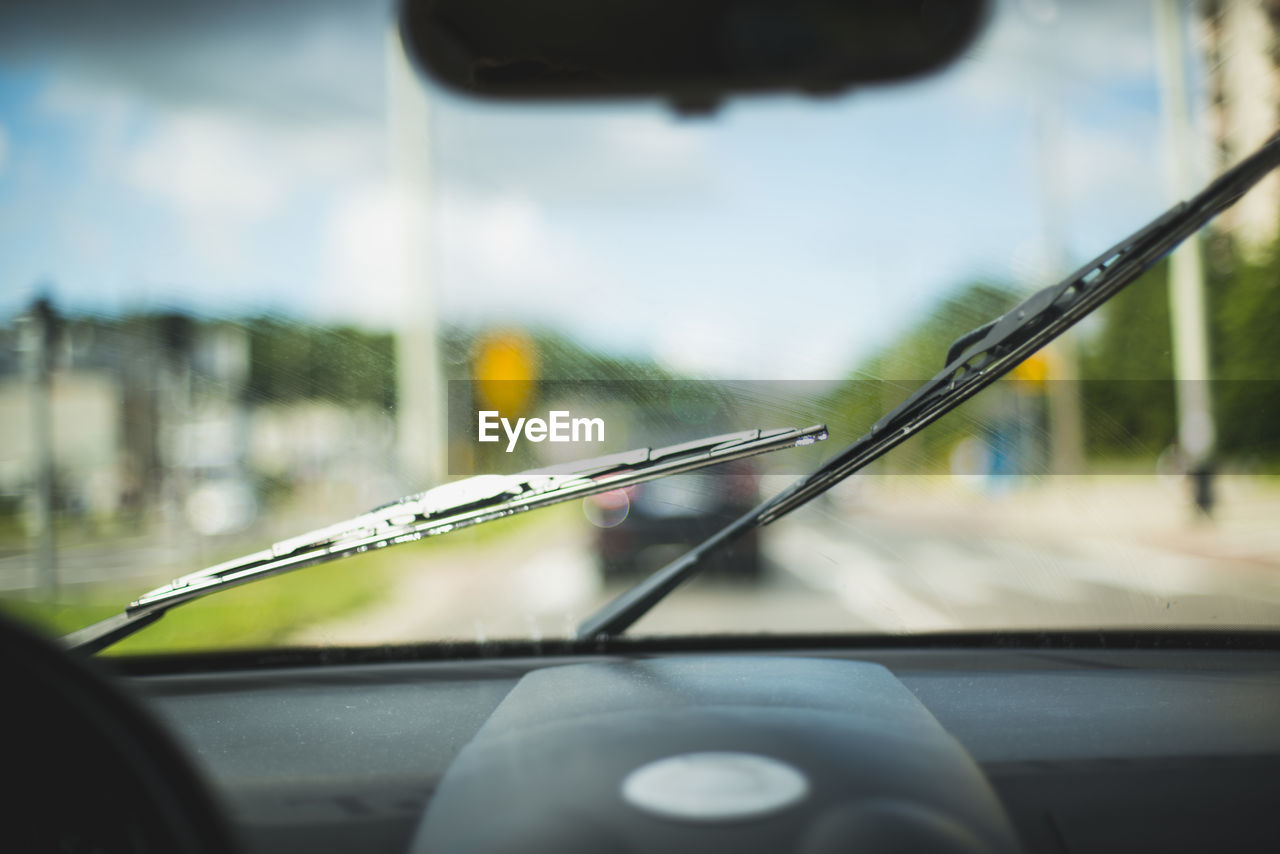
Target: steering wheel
87,768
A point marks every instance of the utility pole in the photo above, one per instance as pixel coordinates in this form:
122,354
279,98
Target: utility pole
39,333
420,392
1062,390
1186,276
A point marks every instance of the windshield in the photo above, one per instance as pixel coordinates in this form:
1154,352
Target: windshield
262,276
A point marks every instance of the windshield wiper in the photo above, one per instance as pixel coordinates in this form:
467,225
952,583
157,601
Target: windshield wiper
973,362
446,508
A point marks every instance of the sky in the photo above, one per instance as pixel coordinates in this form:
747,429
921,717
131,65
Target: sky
235,158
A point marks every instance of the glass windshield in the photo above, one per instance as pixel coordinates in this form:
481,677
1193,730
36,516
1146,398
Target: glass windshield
260,275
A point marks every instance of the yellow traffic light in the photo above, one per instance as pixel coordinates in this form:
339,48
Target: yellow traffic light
506,368
1034,369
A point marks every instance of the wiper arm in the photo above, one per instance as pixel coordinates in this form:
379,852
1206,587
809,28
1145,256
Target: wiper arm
446,508
973,362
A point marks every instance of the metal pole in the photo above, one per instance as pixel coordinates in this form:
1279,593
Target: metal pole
1189,331
1062,390
420,389
39,352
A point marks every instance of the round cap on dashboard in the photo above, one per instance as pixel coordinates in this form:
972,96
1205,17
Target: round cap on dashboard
714,786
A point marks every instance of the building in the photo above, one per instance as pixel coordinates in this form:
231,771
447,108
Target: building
1241,41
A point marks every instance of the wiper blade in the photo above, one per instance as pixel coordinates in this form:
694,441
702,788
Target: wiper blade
445,508
973,362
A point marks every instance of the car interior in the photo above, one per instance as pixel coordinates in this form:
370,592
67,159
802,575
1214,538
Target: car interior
1048,741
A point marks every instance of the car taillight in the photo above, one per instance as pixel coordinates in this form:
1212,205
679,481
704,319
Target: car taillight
742,487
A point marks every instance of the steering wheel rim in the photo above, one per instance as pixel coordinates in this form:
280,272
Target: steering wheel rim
93,770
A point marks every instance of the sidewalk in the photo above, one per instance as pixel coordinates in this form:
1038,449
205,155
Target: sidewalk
1144,509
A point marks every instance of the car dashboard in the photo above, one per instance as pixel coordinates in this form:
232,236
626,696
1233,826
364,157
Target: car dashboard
1074,744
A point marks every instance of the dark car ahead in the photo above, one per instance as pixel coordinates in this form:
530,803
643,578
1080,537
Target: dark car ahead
640,528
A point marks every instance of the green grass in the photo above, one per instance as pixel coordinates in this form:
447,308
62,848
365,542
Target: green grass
261,614
267,612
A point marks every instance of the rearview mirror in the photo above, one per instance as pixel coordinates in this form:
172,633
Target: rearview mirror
692,52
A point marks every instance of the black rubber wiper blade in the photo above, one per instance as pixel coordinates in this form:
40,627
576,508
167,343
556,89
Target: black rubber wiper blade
441,510
974,361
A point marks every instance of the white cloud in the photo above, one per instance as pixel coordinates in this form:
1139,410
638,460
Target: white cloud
607,157
374,258
655,140
236,125
226,177
209,168
1058,49
288,61
499,255
245,189
1115,162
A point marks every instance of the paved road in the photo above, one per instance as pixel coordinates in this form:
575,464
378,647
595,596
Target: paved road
137,560
862,573
874,566
897,575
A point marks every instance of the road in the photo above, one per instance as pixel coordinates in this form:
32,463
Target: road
833,570
136,560
900,560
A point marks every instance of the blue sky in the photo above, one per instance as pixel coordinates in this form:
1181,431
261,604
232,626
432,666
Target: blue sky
229,160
